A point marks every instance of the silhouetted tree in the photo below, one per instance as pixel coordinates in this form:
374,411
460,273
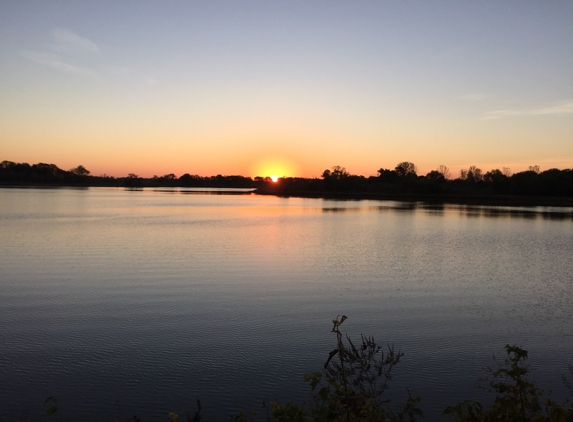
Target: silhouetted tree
337,173
498,181
189,180
435,176
556,182
494,176
406,169
475,174
7,164
338,179
80,171
525,183
133,180
445,171
387,175
472,175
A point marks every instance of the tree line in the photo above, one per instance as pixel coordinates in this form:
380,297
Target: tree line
405,180
51,175
402,180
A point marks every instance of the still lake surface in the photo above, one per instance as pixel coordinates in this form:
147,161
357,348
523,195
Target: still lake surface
125,302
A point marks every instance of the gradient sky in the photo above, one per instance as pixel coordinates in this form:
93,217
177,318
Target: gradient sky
286,87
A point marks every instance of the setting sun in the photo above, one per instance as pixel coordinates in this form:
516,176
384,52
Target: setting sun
275,168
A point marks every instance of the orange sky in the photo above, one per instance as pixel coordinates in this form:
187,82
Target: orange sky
287,88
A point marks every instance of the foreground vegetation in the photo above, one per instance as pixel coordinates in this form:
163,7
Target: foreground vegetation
351,385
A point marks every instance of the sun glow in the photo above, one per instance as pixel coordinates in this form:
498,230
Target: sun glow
275,168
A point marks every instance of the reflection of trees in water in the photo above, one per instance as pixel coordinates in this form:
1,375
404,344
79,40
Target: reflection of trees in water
511,212
475,211
207,191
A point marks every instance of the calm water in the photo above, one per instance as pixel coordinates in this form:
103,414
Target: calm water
141,302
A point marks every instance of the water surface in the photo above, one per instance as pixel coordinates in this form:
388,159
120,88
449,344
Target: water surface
141,302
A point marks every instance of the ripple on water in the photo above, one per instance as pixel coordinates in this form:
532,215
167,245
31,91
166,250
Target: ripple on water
124,303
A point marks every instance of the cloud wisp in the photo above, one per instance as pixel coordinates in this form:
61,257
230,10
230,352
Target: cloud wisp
56,61
64,53
560,108
564,107
69,42
71,53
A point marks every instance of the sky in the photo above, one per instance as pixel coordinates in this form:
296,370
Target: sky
258,88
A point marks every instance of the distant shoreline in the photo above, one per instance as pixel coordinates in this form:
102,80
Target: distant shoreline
532,188
468,199
486,200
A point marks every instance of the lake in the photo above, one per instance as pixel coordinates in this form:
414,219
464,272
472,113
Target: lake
122,302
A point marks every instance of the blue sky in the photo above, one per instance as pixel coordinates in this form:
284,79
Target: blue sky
291,87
